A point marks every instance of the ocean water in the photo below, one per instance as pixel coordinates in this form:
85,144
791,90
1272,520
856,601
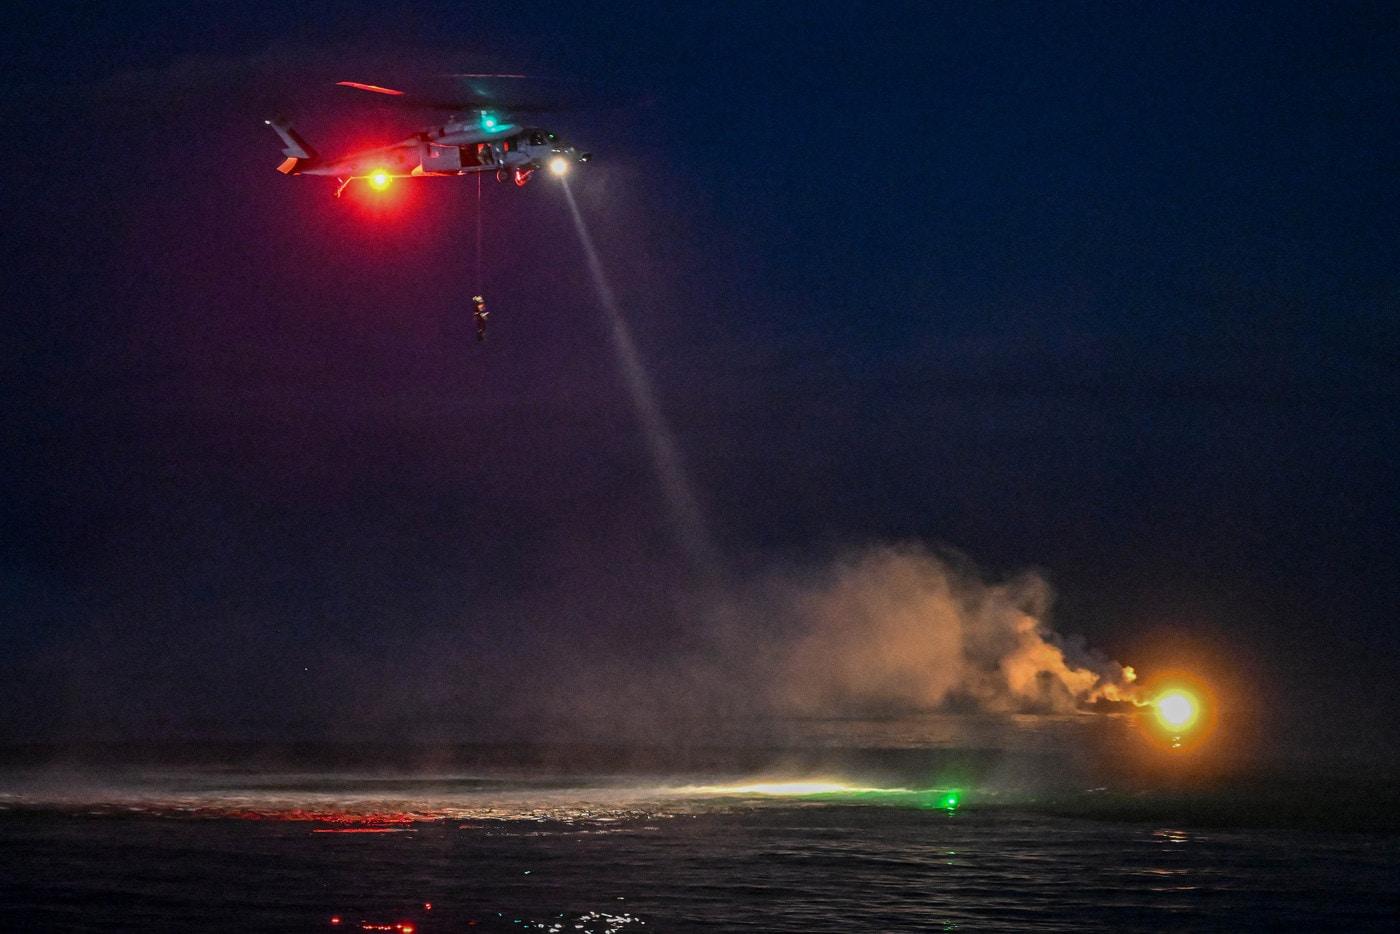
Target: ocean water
860,840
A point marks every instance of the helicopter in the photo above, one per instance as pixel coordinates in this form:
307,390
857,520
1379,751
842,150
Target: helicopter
479,137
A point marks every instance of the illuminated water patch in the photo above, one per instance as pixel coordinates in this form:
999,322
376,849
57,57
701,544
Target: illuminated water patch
947,799
792,789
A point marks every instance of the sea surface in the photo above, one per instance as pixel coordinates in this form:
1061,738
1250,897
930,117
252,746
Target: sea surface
590,840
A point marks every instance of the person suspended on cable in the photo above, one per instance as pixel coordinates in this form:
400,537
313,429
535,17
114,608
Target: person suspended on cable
480,313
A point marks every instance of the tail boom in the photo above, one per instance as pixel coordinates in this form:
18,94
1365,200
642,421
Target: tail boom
298,152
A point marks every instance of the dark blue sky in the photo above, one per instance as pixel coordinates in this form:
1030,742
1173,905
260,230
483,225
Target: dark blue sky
1102,290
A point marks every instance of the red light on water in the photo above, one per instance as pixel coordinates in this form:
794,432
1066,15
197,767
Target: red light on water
427,906
335,919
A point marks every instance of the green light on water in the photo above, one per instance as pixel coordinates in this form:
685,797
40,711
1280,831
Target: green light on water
950,800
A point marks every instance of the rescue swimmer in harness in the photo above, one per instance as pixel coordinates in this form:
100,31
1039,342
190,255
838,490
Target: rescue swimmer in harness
480,313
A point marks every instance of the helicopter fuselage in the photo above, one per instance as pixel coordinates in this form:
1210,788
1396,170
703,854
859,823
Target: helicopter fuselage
455,148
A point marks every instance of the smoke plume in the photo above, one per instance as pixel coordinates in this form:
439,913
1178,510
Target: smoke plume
900,629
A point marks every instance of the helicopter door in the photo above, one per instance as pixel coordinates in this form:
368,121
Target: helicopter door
442,158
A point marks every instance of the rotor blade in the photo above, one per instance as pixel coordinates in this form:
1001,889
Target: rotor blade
511,93
418,101
370,87
468,74
470,93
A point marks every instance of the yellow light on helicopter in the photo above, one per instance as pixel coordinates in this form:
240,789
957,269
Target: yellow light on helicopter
559,165
379,179
1177,710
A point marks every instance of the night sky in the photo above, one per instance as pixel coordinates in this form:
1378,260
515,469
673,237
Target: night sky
1106,291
